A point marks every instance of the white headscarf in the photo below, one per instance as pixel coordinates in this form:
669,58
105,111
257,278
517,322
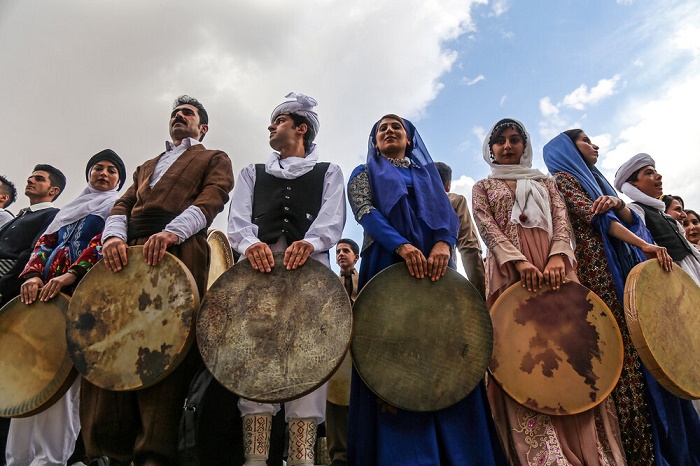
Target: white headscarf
531,198
90,201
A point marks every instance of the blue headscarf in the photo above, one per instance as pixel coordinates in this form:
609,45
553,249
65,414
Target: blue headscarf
561,155
390,194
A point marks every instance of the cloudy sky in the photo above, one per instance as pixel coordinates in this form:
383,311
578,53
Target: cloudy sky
82,75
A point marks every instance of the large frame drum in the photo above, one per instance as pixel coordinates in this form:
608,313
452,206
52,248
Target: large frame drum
36,368
273,337
421,345
662,310
128,330
556,352
221,255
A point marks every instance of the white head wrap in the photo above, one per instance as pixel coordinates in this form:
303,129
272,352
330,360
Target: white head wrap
302,105
291,167
628,169
631,167
536,210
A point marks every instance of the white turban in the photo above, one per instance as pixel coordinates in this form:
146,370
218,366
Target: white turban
302,106
631,167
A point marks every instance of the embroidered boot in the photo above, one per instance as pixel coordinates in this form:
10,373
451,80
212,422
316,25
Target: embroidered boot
302,439
256,438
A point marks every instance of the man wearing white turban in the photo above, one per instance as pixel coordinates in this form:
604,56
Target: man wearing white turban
640,181
295,204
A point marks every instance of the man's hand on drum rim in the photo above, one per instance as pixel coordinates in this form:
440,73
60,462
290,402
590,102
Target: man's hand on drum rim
260,257
154,248
297,253
114,254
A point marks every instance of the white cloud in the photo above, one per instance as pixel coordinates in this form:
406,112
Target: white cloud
499,7
581,96
463,185
480,133
665,130
547,108
88,76
688,38
554,119
471,81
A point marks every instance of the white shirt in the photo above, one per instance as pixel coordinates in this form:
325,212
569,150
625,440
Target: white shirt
40,206
189,222
326,229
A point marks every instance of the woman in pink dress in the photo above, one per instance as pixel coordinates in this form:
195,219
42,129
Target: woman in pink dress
523,221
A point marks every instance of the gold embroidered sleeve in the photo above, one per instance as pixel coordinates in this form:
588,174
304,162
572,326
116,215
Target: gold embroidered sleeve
360,195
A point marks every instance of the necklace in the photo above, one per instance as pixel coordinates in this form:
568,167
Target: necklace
401,163
522,216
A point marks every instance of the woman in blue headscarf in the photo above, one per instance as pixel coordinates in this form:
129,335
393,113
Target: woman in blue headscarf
399,200
610,240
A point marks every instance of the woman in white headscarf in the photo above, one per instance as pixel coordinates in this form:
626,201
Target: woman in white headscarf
523,221
64,253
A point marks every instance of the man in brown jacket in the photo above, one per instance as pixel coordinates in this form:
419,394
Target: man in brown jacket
467,241
172,201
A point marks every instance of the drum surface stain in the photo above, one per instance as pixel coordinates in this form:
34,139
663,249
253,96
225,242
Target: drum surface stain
558,328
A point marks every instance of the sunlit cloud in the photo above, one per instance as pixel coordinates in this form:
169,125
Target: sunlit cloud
582,96
471,81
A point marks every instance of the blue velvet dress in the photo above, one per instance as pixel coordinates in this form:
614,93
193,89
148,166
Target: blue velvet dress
379,433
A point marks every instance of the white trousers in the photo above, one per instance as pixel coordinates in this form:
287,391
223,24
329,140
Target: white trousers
47,438
312,405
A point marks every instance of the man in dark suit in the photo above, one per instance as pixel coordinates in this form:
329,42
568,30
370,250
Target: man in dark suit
18,236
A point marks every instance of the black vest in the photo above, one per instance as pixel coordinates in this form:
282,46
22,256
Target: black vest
665,233
287,207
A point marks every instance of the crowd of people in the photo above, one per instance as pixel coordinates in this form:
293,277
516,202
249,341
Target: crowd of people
538,228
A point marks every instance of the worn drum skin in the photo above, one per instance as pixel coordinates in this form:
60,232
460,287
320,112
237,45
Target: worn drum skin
34,362
662,311
421,345
221,255
555,352
128,330
273,337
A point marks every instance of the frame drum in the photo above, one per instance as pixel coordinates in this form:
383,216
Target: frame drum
273,337
34,362
421,345
128,330
221,255
662,311
555,352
